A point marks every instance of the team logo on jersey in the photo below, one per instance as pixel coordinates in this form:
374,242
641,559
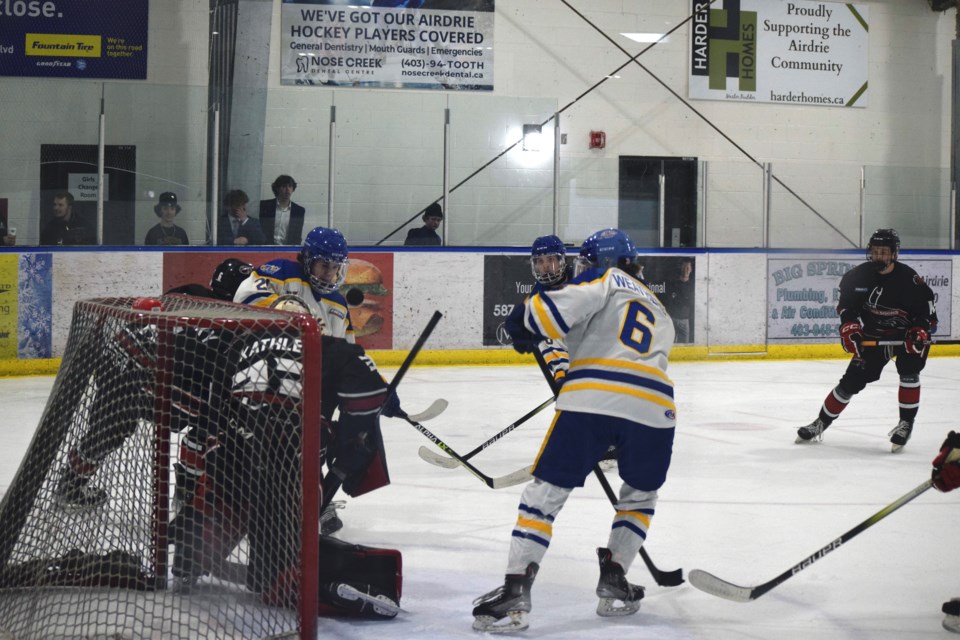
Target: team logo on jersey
268,268
670,414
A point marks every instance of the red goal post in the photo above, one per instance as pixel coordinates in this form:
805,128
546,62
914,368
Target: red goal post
114,526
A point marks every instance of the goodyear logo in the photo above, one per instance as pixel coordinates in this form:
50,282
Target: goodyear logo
56,44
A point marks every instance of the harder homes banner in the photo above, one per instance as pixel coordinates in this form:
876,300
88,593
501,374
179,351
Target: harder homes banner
408,44
794,52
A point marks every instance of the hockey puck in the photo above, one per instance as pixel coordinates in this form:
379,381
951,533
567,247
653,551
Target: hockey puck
354,297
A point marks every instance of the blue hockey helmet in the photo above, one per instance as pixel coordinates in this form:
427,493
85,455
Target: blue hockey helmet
328,248
548,260
606,249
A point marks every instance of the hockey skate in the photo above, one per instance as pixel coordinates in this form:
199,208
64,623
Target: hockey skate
812,432
900,435
951,621
613,587
330,522
74,493
511,600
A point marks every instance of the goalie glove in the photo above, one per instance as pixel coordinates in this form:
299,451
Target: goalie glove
916,340
851,335
946,466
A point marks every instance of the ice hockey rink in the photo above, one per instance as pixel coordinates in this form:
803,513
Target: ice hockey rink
741,501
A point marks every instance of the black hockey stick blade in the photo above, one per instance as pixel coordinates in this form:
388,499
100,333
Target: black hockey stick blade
437,407
672,578
436,459
516,477
722,589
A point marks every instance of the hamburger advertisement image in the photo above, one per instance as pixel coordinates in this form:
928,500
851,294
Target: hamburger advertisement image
368,286
368,289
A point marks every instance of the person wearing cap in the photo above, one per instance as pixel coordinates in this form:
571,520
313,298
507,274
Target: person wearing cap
427,234
166,232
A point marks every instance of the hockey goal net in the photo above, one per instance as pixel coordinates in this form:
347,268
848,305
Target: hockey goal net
172,487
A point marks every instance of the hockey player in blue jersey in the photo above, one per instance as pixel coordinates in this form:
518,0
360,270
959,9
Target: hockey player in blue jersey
616,393
314,277
548,263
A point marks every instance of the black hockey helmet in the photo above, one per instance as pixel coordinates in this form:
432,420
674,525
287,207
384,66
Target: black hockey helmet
884,238
227,277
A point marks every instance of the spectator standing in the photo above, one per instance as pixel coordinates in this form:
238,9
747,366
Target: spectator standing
427,234
67,226
281,217
679,301
166,231
235,226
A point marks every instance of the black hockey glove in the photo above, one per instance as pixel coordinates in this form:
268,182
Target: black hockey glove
946,466
391,406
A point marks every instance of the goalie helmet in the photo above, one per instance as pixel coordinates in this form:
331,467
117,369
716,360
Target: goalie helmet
551,272
883,238
326,248
607,249
227,277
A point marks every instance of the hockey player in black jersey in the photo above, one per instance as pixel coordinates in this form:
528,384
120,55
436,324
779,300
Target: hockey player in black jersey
243,480
882,299
123,389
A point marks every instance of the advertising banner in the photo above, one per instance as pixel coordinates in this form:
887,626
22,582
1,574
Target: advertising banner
34,305
783,51
802,295
427,44
74,38
507,280
369,273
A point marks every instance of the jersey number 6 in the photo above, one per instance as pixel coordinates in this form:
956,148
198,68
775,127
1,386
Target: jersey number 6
637,332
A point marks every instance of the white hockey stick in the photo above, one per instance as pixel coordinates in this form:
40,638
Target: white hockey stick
723,589
435,409
436,459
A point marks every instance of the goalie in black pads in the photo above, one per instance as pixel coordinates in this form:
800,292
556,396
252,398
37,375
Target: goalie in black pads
243,481
882,299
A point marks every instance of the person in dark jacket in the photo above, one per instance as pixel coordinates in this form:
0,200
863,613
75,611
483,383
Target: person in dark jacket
280,217
427,234
235,226
67,226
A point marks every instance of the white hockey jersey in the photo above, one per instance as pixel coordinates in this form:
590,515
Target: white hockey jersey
285,277
619,337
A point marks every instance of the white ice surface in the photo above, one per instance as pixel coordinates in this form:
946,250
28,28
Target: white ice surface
741,501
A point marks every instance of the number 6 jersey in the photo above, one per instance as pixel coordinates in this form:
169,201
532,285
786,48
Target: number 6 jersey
618,373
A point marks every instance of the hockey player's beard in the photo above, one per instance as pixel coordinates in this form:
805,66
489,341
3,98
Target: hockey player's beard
880,265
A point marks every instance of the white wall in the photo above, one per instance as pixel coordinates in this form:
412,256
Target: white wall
389,143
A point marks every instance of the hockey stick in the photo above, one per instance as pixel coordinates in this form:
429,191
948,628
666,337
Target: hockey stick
663,578
333,481
898,343
723,589
437,407
517,477
434,458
